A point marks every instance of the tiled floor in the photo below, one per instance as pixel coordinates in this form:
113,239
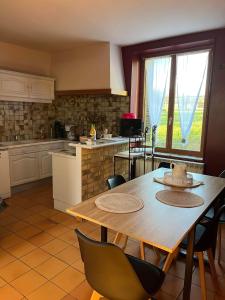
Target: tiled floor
40,258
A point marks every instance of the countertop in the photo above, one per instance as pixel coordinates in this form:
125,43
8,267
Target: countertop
25,143
101,143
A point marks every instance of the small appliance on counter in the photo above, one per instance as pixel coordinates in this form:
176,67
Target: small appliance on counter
130,126
59,130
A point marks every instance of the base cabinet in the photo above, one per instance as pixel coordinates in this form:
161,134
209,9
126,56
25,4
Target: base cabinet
24,168
45,164
31,163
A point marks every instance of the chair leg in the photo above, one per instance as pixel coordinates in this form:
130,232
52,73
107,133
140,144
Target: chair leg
202,274
142,250
211,262
169,259
219,242
95,296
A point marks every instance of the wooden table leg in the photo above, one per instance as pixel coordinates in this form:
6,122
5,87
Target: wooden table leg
104,234
189,265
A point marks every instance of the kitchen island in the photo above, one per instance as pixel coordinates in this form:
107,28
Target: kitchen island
82,173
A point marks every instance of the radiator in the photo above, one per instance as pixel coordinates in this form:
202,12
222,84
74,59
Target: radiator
194,167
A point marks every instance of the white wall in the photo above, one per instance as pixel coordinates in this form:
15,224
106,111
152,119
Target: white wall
17,58
116,69
84,67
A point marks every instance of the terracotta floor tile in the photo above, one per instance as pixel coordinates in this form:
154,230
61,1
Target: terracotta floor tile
69,297
41,239
163,296
46,224
196,294
9,241
68,279
69,237
54,246
2,283
29,232
46,292
35,257
13,270
83,291
48,212
60,217
79,265
69,255
5,258
21,249
28,282
9,293
34,219
5,220
15,227
172,285
4,232
57,230
37,208
51,267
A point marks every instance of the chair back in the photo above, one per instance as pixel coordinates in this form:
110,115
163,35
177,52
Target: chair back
114,181
208,238
108,270
164,164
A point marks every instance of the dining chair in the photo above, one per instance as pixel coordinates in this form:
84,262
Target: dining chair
115,275
210,214
112,182
205,237
164,164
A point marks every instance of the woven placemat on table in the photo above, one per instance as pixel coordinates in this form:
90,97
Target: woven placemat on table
119,203
195,183
179,198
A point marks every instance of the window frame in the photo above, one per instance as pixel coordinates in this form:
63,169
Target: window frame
169,137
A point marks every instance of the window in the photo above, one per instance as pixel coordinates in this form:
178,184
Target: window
175,101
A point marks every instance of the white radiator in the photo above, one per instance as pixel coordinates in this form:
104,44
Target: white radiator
194,167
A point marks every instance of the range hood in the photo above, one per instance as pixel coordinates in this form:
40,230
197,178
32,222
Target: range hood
90,68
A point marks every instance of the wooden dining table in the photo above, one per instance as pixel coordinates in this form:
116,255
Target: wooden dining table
157,224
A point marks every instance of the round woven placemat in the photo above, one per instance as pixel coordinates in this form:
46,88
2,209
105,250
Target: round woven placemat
179,198
119,203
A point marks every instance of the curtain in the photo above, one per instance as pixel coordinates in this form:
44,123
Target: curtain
157,72
190,84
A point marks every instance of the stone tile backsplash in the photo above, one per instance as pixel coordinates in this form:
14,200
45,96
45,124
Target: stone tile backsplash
26,120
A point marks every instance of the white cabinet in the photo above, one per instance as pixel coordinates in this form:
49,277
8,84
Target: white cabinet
24,168
30,163
45,164
15,86
41,89
4,175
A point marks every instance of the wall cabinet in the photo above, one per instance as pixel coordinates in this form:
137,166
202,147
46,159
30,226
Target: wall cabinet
31,163
15,86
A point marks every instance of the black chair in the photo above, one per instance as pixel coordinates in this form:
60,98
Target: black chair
210,214
115,275
164,164
114,181
205,238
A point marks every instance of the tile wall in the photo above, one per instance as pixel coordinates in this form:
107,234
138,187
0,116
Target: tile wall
34,120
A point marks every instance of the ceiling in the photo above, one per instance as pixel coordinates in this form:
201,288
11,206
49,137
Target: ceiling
61,24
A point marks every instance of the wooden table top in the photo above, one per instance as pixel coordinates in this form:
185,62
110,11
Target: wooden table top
157,224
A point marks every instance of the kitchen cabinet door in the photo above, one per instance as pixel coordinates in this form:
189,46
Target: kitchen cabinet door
24,168
45,164
42,89
13,86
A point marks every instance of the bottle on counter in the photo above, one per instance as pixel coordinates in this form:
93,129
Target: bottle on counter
93,132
